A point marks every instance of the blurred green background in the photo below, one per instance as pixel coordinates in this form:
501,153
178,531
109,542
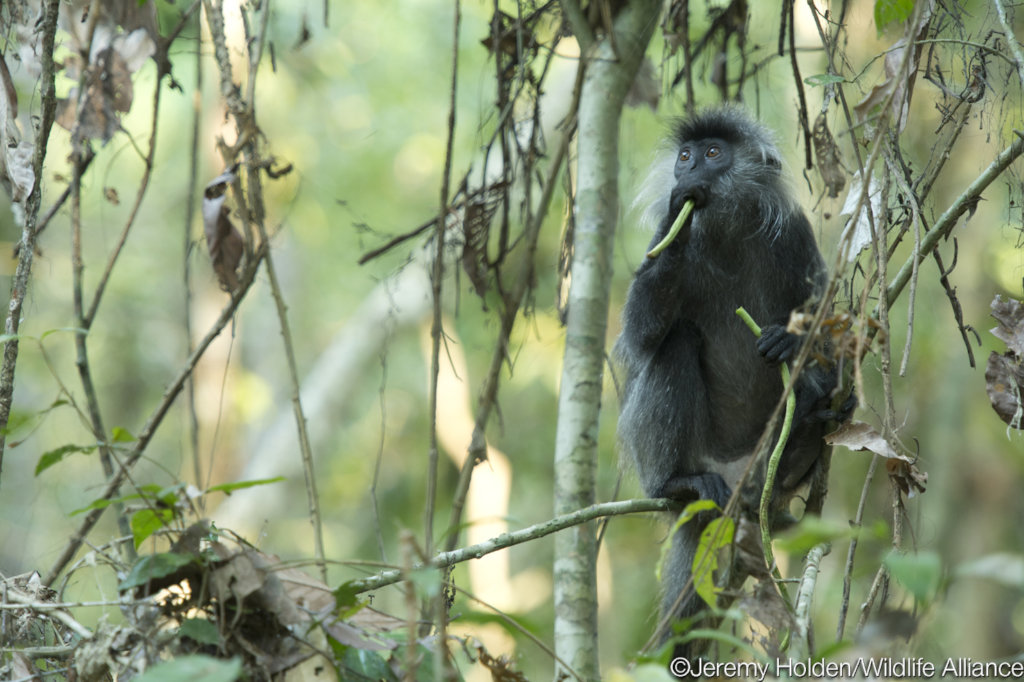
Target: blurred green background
360,109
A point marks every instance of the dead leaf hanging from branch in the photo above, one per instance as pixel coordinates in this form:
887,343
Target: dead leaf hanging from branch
902,469
223,239
1004,374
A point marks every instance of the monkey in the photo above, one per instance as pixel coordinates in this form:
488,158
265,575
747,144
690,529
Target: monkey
699,388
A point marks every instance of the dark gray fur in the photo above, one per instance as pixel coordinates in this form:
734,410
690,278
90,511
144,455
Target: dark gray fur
699,388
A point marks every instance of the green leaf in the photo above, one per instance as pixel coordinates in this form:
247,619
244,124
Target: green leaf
920,573
193,668
718,534
347,601
200,630
146,492
688,513
119,435
48,459
154,566
147,521
228,488
692,510
823,79
890,11
74,330
359,664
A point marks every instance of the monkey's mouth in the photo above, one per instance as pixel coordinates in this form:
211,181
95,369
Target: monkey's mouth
699,196
677,227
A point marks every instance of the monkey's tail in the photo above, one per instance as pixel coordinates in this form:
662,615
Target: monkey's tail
679,600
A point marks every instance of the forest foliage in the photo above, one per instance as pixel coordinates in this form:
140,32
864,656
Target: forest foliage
295,288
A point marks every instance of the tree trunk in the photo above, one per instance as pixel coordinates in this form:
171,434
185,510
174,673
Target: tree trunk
612,66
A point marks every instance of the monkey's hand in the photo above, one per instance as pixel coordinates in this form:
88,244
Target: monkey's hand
841,414
776,344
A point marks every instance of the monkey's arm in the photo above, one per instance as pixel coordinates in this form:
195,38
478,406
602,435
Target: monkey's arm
657,296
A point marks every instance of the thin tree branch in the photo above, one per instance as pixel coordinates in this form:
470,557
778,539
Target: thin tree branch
452,557
436,281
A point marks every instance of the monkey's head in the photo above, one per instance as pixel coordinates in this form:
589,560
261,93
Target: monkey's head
727,163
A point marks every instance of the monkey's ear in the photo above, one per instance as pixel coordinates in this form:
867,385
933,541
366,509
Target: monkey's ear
772,162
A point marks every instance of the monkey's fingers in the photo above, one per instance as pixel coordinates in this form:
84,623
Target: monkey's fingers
674,231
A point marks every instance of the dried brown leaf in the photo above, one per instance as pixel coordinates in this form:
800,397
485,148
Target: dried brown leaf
17,162
1009,313
901,90
830,163
223,240
501,667
477,214
108,93
857,435
1004,383
1004,374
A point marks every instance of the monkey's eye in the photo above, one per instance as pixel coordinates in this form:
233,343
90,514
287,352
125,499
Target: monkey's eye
713,151
684,155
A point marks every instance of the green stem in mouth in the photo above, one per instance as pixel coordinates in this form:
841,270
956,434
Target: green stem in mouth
677,227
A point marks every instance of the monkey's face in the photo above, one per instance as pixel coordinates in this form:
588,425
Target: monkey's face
699,165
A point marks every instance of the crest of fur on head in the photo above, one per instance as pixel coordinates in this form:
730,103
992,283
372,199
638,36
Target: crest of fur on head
756,169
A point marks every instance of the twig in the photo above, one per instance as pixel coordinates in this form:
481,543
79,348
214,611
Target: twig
395,241
790,6
857,522
452,557
436,281
915,221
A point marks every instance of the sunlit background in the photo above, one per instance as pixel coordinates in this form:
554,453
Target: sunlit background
360,109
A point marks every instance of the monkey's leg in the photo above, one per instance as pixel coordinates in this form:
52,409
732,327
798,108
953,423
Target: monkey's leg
686,489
